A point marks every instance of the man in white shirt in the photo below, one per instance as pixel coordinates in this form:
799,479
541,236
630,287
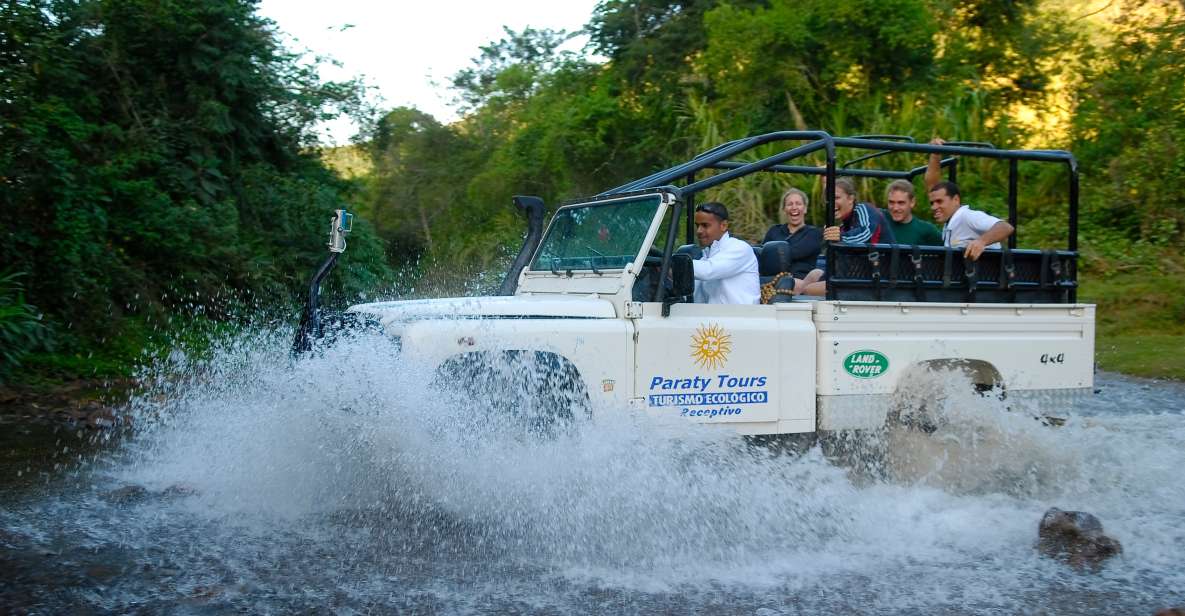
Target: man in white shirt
964,226
727,272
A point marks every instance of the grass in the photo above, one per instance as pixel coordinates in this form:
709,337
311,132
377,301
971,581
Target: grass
1147,355
1140,323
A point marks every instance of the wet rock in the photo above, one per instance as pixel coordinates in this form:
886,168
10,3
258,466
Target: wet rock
179,490
206,592
127,495
1075,538
1172,611
101,573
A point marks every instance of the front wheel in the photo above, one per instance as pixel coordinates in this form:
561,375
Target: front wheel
534,393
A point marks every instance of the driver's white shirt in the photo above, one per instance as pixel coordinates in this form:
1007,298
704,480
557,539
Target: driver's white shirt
727,273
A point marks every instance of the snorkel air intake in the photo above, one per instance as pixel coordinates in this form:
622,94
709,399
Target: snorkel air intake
532,208
310,321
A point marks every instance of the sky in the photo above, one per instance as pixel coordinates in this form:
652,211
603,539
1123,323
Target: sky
408,50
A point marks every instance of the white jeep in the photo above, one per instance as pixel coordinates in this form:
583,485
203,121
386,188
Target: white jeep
584,309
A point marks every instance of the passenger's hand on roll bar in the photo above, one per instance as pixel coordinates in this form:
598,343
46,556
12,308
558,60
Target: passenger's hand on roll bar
831,234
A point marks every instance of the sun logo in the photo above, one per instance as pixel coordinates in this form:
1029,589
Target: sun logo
710,346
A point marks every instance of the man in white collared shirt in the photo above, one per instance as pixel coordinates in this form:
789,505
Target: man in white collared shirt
971,229
727,273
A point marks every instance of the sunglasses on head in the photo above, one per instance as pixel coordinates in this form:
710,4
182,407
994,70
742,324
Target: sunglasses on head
714,209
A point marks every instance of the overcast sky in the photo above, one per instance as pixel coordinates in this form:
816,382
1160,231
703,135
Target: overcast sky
409,50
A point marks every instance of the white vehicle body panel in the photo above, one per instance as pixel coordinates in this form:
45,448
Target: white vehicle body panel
515,306
1027,349
763,383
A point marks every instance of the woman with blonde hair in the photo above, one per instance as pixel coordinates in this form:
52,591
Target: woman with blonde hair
805,240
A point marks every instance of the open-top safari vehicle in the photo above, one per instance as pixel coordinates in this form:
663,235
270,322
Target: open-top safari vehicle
582,324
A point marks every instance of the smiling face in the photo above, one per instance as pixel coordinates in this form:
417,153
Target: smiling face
795,210
900,204
709,228
844,202
943,205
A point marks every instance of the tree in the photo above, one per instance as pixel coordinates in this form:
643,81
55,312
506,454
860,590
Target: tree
160,148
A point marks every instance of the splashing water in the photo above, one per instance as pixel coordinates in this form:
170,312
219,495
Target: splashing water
345,481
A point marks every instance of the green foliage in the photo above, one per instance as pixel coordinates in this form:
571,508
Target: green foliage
1130,128
21,330
791,63
155,155
512,68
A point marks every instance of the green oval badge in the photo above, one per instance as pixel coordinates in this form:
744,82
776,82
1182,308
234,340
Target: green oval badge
866,364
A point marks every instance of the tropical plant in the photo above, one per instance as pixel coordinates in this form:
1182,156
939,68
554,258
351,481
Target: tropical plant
21,329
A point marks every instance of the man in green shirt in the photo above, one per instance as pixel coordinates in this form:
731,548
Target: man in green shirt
907,229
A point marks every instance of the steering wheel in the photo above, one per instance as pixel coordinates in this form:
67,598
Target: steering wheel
653,256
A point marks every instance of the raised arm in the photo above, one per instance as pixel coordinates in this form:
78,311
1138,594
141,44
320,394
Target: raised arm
934,166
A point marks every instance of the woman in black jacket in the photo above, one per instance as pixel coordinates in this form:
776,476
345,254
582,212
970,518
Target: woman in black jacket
805,240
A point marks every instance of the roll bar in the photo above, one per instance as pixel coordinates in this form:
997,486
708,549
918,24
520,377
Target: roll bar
720,158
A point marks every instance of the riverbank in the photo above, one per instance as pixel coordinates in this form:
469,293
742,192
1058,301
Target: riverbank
1140,323
92,404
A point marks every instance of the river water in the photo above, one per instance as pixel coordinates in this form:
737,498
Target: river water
343,483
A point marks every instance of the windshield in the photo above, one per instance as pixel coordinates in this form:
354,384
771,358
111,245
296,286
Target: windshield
597,236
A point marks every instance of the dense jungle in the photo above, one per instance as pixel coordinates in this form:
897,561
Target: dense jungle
161,179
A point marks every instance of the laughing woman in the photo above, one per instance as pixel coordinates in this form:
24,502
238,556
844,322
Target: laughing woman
805,240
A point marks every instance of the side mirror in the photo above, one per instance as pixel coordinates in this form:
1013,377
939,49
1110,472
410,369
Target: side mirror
682,282
682,275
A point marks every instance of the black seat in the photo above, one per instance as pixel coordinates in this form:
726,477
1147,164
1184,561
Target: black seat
773,259
774,262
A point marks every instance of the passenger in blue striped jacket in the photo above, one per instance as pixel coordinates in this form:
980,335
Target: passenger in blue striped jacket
859,223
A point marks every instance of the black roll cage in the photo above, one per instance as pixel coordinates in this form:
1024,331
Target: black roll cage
682,178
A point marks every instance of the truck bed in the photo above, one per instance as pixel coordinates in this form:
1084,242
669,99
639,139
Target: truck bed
1043,353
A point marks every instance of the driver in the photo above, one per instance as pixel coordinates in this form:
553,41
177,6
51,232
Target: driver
727,273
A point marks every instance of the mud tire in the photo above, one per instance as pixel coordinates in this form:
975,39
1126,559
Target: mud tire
537,393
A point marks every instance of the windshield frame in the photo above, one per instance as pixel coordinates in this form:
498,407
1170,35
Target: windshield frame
664,200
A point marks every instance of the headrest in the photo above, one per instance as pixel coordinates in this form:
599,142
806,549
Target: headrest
774,258
690,249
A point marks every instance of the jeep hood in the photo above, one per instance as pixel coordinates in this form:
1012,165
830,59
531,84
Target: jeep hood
490,307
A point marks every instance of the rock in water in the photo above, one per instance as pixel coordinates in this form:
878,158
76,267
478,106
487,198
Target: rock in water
127,495
1172,611
1076,538
178,490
